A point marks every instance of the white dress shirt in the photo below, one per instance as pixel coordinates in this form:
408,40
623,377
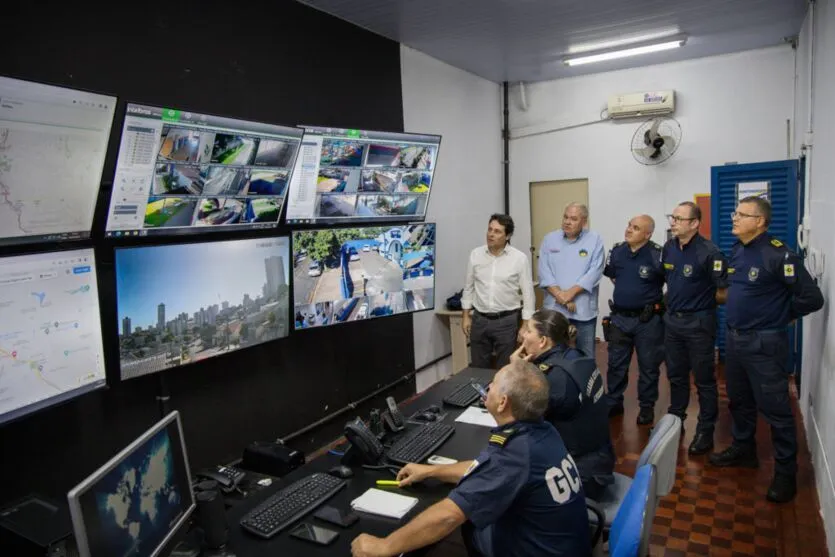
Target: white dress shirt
497,283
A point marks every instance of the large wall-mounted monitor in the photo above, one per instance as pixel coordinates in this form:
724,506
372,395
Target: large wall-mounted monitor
139,500
352,274
50,330
180,172
53,142
183,303
356,176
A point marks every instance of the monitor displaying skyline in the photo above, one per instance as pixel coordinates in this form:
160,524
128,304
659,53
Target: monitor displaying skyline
53,142
352,274
50,330
183,303
181,172
356,176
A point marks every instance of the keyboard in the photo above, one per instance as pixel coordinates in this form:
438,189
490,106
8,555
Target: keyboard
462,397
419,443
290,504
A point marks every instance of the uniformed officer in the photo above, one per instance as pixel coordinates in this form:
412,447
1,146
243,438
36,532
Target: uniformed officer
635,323
521,496
576,405
696,273
769,287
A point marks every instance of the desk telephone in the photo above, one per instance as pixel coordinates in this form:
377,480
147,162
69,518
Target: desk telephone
365,447
392,417
228,477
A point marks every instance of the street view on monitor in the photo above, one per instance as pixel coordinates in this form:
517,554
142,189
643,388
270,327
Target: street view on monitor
356,176
184,303
180,172
53,142
351,274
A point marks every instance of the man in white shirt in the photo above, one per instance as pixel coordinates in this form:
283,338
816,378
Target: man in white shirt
497,292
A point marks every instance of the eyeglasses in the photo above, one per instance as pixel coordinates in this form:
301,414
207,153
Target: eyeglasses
738,215
675,218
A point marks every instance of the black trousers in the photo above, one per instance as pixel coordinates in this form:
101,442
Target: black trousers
493,335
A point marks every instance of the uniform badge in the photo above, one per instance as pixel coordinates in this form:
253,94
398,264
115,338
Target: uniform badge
584,253
669,266
776,243
544,367
643,270
788,269
473,465
753,274
717,265
687,270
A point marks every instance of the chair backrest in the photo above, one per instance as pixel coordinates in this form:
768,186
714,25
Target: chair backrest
662,451
629,535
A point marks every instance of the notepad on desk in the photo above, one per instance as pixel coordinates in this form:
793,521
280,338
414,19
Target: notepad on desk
476,416
384,503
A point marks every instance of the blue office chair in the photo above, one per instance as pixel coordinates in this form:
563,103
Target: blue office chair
629,534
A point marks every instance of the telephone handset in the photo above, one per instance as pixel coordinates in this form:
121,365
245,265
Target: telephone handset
365,447
227,477
392,417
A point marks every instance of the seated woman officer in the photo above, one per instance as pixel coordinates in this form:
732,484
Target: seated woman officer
576,404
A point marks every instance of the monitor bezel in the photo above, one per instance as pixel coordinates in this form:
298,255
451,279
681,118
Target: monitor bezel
73,497
316,222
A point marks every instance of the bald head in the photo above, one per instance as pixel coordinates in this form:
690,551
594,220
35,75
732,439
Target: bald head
639,231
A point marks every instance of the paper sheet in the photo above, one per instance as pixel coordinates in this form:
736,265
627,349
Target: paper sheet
476,416
384,503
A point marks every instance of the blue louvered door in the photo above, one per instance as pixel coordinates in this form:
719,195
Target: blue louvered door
779,182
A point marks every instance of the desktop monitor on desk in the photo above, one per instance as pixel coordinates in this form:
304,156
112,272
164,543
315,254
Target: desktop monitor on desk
137,502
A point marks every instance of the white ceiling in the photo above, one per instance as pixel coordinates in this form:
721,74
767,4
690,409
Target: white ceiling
526,40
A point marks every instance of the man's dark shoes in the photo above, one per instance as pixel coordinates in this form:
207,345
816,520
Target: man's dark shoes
702,443
615,410
783,488
646,416
736,456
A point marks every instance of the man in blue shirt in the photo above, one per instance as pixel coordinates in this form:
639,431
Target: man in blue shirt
635,324
570,268
521,496
697,274
769,288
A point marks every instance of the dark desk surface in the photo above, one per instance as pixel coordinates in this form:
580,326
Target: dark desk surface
467,441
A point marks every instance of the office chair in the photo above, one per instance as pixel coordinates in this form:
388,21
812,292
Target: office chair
662,451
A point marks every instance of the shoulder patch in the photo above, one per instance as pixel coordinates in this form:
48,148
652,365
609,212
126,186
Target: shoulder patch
499,439
776,243
788,269
717,265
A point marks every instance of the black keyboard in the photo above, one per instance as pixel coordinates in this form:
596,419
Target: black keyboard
419,443
290,504
462,397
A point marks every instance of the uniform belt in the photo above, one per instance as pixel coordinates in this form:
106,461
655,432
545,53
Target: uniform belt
749,331
498,314
689,312
627,312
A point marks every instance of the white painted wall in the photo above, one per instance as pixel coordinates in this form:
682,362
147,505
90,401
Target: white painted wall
731,108
818,384
467,188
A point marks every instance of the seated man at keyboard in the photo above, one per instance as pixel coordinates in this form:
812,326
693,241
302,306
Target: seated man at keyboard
522,496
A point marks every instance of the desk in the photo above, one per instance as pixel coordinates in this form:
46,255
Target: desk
467,441
460,349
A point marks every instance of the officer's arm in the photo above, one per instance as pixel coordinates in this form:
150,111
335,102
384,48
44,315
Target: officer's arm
721,295
430,526
609,269
806,296
717,265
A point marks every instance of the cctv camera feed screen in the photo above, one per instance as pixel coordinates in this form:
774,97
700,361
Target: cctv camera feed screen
351,274
52,147
346,176
179,172
184,303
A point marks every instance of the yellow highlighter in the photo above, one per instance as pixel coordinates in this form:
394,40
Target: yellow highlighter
394,483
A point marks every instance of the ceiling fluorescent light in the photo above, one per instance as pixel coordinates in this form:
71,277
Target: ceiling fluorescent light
623,53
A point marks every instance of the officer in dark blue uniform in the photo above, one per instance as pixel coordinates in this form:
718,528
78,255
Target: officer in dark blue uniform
576,402
769,288
696,273
521,496
635,322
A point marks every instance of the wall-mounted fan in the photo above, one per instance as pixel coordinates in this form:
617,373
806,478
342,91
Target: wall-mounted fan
656,140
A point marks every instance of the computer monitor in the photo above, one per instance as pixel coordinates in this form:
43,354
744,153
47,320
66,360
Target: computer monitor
183,303
53,142
180,172
50,330
137,502
357,176
353,274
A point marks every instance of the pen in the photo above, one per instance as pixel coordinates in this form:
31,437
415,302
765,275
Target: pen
394,483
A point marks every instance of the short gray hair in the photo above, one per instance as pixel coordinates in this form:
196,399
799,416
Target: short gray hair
526,388
584,211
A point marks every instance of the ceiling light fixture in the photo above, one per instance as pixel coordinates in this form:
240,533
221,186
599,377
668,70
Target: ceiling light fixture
625,52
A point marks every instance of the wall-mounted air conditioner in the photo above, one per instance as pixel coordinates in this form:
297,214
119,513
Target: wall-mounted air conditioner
642,104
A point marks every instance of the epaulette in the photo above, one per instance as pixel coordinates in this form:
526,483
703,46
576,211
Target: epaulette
617,245
544,367
499,439
655,246
776,243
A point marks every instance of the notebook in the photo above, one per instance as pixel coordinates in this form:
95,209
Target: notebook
384,503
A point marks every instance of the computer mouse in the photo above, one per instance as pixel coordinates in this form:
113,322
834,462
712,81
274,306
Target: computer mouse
341,472
426,417
433,408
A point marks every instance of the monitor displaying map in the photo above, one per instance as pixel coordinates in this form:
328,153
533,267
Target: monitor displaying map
53,142
138,501
50,330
